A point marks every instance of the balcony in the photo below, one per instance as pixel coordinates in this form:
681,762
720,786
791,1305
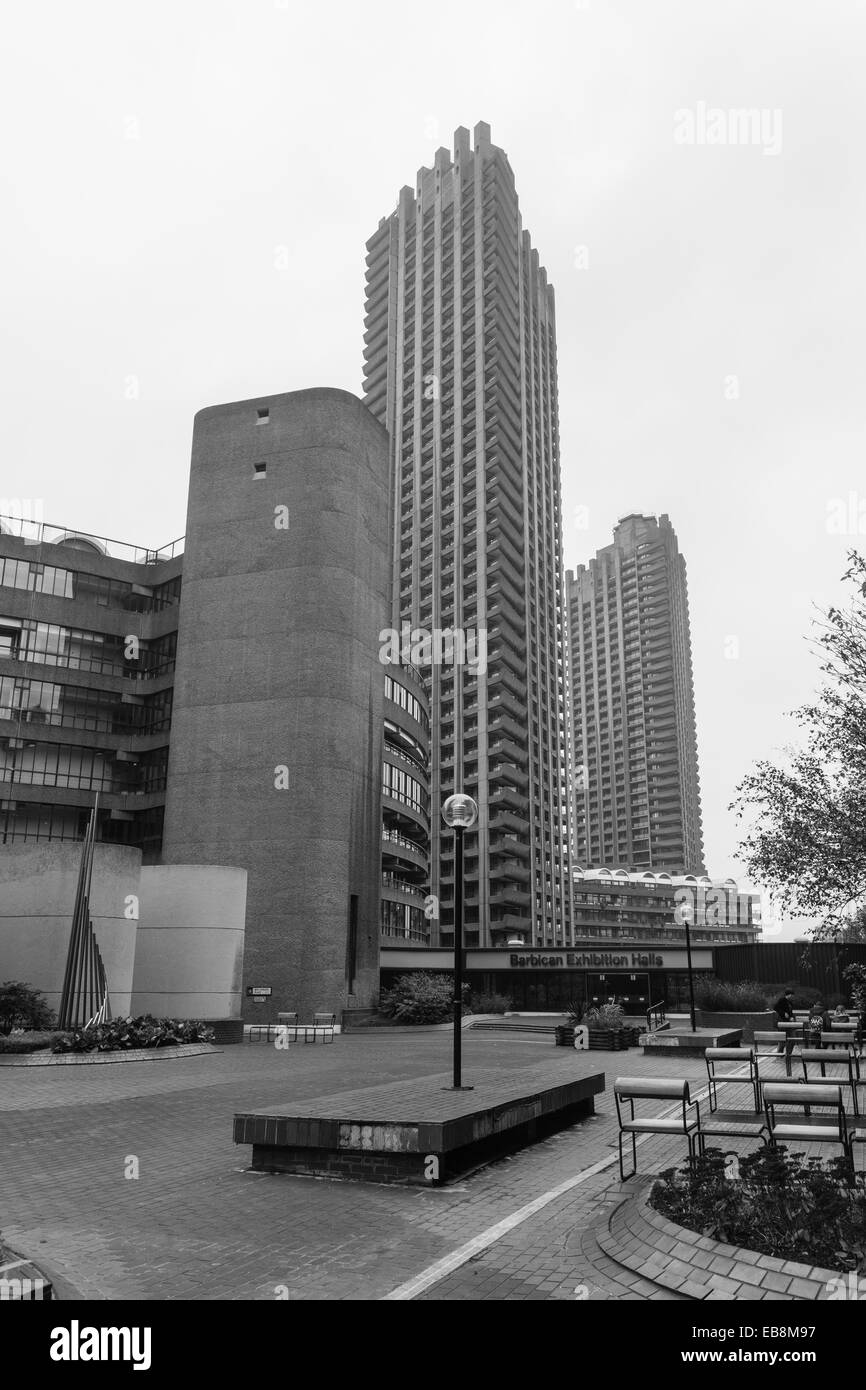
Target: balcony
502,723
507,772
503,654
504,819
512,870
395,887
505,896
503,698
507,796
402,855
504,844
513,920
502,748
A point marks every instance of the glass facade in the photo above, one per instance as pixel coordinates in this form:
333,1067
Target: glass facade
91,588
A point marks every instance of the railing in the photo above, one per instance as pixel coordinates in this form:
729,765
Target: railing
399,885
655,1018
395,838
39,533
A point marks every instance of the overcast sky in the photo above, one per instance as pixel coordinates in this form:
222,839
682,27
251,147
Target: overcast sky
188,188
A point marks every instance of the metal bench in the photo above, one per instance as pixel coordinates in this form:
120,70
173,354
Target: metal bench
845,1065
323,1025
745,1057
631,1088
779,1044
797,1122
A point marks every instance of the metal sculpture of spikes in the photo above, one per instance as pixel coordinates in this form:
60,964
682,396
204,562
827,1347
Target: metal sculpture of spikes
84,1000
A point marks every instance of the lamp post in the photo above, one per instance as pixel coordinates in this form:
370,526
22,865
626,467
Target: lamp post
460,812
686,912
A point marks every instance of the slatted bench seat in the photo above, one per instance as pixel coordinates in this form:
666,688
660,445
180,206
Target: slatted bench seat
743,1057
839,1037
628,1089
732,1124
795,1122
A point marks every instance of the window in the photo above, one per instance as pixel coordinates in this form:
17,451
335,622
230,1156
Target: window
10,637
260,470
264,416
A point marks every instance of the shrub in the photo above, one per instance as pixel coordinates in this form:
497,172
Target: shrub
779,1205
490,1003
855,975
607,1016
576,1012
123,1034
731,997
804,995
22,1006
419,998
34,1041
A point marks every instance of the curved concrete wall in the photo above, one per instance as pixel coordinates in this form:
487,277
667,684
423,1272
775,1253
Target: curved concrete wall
278,667
190,948
37,896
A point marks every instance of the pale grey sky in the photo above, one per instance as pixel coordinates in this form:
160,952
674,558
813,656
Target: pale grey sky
188,187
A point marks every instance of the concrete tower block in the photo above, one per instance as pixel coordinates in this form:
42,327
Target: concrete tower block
276,752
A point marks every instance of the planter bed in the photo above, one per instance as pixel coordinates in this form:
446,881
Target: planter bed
132,1054
695,1266
601,1039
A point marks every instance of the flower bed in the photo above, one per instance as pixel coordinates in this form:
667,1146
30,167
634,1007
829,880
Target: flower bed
128,1034
34,1040
773,1203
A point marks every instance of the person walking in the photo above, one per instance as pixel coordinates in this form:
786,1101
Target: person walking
784,1007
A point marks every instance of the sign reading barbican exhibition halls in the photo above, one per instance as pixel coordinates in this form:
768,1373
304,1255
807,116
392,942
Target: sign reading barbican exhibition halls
588,960
564,958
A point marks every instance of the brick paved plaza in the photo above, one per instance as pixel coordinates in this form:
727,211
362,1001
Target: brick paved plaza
195,1224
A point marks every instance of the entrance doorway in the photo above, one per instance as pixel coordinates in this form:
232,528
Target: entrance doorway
630,990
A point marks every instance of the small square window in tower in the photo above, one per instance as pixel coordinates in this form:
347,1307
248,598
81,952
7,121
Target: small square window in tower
260,470
263,416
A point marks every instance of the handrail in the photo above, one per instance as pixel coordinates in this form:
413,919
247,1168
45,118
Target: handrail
656,1011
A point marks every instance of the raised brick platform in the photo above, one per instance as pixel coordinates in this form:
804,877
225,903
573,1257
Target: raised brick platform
688,1044
418,1131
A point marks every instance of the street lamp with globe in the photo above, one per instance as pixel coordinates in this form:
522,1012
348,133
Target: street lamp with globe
685,914
459,812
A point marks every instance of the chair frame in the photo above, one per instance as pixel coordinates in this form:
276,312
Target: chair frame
714,1079
824,1057
654,1088
802,1096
